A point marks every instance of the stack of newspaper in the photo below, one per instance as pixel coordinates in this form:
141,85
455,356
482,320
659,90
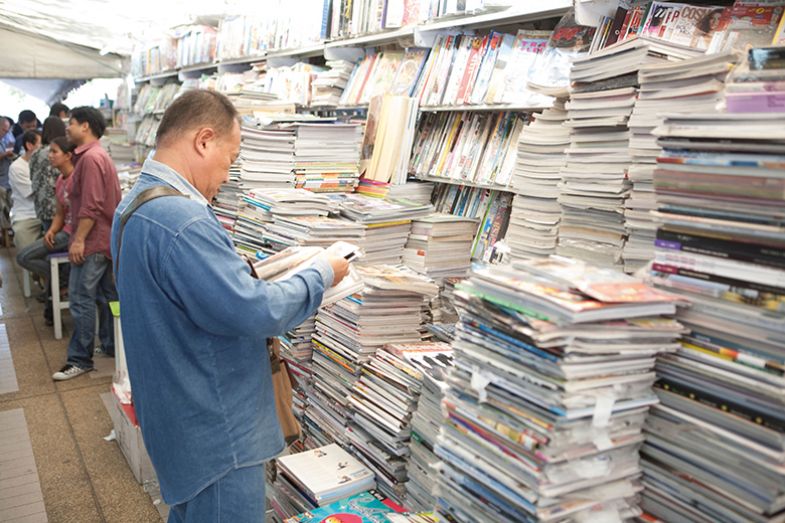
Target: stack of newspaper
553,375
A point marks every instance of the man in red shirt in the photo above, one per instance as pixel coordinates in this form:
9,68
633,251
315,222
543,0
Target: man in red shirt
94,196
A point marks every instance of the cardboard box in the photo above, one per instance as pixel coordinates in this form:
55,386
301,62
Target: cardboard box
129,437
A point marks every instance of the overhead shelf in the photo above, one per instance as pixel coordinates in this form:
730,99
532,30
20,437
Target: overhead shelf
532,10
485,108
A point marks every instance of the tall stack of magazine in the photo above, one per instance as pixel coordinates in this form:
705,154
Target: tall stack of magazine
382,402
594,180
715,447
348,334
535,215
228,200
554,367
440,245
426,423
687,86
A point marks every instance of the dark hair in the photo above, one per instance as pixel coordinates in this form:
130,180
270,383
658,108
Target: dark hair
58,108
27,116
53,127
92,116
704,24
64,144
196,108
10,120
30,137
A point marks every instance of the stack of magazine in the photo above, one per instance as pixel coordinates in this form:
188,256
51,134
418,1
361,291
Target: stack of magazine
687,86
440,245
348,334
228,200
260,207
316,478
535,215
327,156
426,423
715,447
386,222
267,155
554,367
382,402
594,180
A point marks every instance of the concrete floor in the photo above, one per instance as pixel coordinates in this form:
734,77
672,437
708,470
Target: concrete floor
83,478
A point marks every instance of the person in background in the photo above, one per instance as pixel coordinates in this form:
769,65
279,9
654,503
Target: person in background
26,227
27,122
7,140
43,174
95,193
195,322
34,256
59,110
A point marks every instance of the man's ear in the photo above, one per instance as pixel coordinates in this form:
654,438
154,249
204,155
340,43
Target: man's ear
203,139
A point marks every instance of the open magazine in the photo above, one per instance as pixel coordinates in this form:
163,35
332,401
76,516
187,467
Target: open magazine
292,260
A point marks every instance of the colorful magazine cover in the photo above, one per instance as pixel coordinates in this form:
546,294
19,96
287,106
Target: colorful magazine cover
366,507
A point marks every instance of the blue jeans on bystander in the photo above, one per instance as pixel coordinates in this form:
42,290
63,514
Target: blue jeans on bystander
91,284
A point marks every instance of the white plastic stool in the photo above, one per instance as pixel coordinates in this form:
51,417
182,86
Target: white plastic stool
55,259
26,283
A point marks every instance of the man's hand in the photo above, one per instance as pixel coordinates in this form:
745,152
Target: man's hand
49,239
76,252
340,268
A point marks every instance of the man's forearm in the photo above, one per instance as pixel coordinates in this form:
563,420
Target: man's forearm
83,229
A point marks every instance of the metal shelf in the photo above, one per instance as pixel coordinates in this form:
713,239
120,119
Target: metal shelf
466,183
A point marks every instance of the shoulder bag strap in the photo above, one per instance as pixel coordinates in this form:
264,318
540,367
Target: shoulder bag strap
142,198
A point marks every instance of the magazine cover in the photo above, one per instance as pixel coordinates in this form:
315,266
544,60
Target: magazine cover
684,24
366,507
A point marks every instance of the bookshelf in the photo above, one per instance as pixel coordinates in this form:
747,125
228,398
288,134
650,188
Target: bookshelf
483,108
420,35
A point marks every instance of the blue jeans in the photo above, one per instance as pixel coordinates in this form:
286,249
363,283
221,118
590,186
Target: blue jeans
236,497
91,284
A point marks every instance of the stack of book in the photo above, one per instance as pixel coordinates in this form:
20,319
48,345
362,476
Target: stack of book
297,350
492,208
467,146
348,334
328,86
715,446
535,216
426,423
316,478
319,231
468,69
327,156
382,402
440,245
553,375
387,224
685,86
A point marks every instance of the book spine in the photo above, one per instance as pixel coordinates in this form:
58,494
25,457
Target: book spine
733,285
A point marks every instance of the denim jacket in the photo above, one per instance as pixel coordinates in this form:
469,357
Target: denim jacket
195,325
